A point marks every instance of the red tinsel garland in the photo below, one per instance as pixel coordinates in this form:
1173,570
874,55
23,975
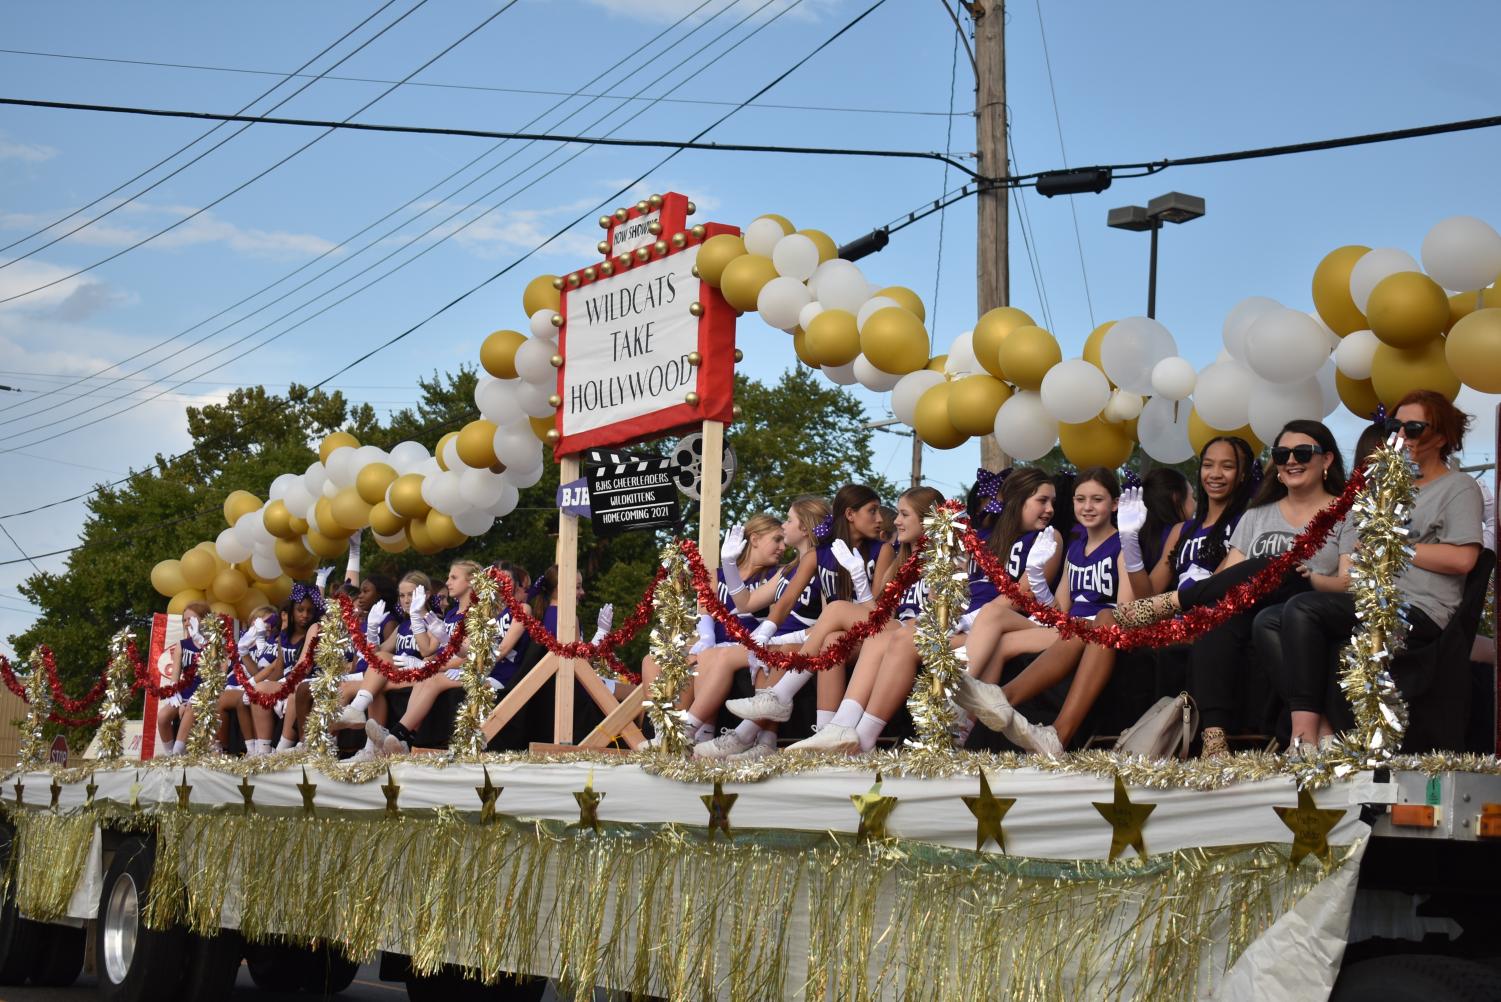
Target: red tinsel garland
49,662
1196,621
289,683
143,678
840,652
377,661
11,682
14,685
73,722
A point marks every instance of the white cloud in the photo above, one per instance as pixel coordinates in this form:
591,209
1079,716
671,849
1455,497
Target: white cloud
137,221
32,153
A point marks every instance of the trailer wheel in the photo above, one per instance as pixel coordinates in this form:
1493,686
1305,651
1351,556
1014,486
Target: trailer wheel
328,971
59,958
1417,977
277,967
212,964
18,936
452,986
135,964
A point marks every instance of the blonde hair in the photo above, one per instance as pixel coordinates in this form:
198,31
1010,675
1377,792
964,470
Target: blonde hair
417,578
469,567
262,611
755,526
809,511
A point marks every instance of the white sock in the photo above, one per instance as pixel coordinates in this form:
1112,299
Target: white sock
869,728
824,716
694,724
361,700
790,685
370,744
768,738
848,714
283,743
748,731
179,747
702,733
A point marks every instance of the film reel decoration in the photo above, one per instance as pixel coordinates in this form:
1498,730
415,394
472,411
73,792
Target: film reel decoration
688,457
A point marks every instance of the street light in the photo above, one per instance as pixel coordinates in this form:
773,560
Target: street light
1174,207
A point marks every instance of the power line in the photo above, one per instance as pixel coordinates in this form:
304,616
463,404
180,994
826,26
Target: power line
948,145
1058,121
843,110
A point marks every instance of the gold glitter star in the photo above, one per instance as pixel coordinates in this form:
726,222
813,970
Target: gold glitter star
135,792
588,802
183,792
1310,826
20,792
1126,821
57,791
89,791
719,804
393,792
487,795
308,790
988,811
874,809
247,795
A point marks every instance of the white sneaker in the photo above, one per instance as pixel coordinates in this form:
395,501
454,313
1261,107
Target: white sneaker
365,754
987,702
350,719
1039,740
376,733
764,705
832,738
727,745
395,746
766,744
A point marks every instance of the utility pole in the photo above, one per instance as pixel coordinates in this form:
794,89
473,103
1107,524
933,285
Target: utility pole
993,270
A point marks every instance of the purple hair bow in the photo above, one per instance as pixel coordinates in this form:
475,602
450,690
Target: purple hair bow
823,530
1130,479
989,485
302,591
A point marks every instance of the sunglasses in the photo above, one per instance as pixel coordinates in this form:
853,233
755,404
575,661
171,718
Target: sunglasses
1411,429
1300,453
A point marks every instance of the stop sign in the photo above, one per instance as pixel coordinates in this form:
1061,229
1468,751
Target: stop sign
59,750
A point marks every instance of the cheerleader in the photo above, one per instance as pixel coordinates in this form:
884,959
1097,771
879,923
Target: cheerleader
174,661
1095,584
888,662
849,556
405,647
300,617
258,650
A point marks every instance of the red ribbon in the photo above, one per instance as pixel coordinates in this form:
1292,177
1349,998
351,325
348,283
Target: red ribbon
49,662
289,682
376,660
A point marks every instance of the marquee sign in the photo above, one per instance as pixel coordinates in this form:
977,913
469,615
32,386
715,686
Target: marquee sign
647,348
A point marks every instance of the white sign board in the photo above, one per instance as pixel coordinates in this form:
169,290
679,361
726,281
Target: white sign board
634,232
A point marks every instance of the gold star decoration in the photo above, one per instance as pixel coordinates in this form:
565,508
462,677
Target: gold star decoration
89,791
57,792
988,810
247,795
1126,821
875,810
487,795
1310,825
308,790
719,804
20,792
183,792
392,790
588,802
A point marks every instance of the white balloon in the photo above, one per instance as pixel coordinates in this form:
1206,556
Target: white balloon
342,466
840,286
311,516
473,522
807,313
429,467
1356,352
367,454
1222,394
523,479
534,363
255,526
524,458
1074,391
479,489
1123,406
780,302
844,375
451,454
330,489
795,256
297,497
395,539
533,399
1024,428
1331,338
541,324
407,456
870,306
314,479
1163,433
1173,378
506,503
961,360
1130,350
280,486
266,567
496,400
515,444
905,394
444,491
1462,253
230,548
1328,387
1372,267
1239,320
1275,404
1285,346
763,235
872,378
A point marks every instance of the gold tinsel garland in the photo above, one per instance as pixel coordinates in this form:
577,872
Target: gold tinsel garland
671,636
318,735
482,636
205,700
117,693
946,581
33,750
48,854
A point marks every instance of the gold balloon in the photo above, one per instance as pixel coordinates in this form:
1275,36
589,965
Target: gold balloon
800,346
421,540
1095,443
476,444
1407,309
990,330
907,299
743,279
1091,352
937,363
394,544
167,579
221,609
930,419
1027,354
442,530
229,585
1461,305
1200,432
211,548
279,520
893,340
291,552
384,521
351,511
831,339
280,589
329,526
782,221
1358,395
372,480
1331,290
326,546
540,294
542,425
443,444
198,569
336,440
1473,350
299,526
498,353
973,401
252,600
406,496
828,250
239,503
715,254
183,599
1396,372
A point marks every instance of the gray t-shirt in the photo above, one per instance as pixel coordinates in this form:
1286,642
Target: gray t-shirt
1446,510
1264,532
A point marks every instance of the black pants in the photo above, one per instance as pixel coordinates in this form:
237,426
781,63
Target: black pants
1228,693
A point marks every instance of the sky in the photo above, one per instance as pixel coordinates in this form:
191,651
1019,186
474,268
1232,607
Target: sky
211,304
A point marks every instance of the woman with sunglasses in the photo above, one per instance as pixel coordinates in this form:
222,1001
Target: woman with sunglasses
1446,534
1309,474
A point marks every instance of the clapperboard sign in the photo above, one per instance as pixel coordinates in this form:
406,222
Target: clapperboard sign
632,493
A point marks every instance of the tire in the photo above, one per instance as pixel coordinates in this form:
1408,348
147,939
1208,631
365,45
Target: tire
277,967
18,936
451,986
328,971
1417,977
134,963
212,964
59,958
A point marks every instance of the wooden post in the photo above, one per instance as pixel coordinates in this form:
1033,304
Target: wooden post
568,612
993,269
709,493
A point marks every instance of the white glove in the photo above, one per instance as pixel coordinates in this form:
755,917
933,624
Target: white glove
763,632
705,634
245,697
406,661
604,622
251,638
374,619
729,557
419,601
1487,515
1130,516
323,575
455,674
854,565
966,622
354,553
191,625
1042,550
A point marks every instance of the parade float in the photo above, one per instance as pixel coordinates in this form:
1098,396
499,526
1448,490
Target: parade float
915,872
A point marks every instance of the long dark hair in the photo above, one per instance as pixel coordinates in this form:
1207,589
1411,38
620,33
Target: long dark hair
1020,486
545,586
1063,512
1217,543
385,590
1273,490
1164,491
924,499
848,498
